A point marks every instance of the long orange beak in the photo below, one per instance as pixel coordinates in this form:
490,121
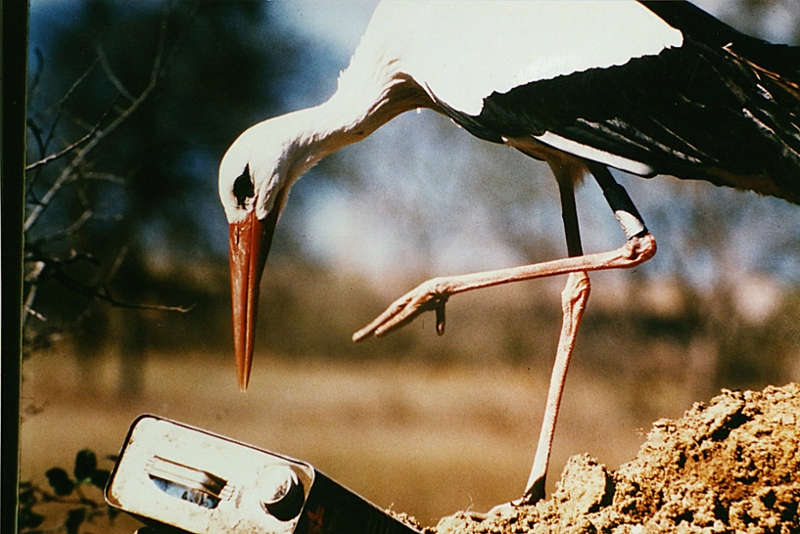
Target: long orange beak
250,240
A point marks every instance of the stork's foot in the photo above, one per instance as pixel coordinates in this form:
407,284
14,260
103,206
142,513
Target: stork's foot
433,294
505,509
428,296
534,493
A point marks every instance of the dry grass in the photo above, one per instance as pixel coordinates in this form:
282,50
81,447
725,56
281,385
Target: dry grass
426,440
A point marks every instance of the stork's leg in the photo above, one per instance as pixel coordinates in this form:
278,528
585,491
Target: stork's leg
573,302
433,294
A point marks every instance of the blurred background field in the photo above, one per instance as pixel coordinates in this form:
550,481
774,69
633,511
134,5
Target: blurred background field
142,99
422,439
422,424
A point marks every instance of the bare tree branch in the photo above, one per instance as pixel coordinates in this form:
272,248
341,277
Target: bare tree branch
104,294
53,269
44,143
37,134
79,222
28,306
63,152
81,154
76,144
104,176
110,74
42,265
37,74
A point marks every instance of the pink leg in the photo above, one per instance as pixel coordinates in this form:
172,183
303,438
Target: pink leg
573,302
433,294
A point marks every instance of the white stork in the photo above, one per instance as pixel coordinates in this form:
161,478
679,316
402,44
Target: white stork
644,87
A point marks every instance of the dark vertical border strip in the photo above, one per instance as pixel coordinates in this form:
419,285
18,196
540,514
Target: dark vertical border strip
14,60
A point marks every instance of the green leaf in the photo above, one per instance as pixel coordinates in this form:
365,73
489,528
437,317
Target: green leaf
74,519
28,518
85,464
59,480
100,478
112,513
27,497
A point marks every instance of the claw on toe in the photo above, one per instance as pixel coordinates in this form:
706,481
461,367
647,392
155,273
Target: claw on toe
363,333
506,509
440,319
534,492
425,297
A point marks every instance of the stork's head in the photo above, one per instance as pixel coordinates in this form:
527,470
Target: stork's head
254,180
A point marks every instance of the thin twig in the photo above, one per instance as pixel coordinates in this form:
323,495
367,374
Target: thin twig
68,232
28,306
104,294
105,177
65,151
60,234
110,74
82,153
37,134
34,256
76,144
37,73
53,268
112,272
31,312
55,272
79,222
61,107
75,85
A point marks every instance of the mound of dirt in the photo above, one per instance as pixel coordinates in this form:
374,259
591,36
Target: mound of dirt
730,466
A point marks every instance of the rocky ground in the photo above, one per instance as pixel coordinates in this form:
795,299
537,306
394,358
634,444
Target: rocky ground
730,466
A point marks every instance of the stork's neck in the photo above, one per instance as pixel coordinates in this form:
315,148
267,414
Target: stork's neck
365,100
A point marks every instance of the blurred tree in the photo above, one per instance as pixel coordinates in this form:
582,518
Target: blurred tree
131,106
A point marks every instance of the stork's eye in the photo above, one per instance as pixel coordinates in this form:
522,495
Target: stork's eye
243,187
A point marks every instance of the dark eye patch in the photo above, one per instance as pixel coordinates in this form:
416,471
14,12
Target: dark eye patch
243,187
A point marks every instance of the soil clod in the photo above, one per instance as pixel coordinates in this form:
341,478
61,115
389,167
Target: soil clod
730,466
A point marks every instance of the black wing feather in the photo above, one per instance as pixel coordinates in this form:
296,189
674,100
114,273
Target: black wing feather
693,21
709,110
